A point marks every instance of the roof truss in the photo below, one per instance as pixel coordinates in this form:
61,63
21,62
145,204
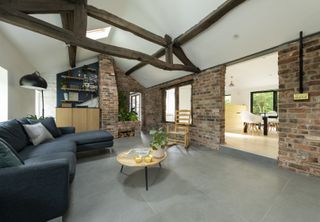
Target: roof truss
74,19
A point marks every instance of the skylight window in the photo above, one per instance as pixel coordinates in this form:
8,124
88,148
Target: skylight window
96,34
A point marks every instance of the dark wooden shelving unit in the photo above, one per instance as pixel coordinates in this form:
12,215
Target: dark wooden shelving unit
73,77
79,90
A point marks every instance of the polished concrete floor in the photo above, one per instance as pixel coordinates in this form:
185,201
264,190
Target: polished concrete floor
267,146
199,185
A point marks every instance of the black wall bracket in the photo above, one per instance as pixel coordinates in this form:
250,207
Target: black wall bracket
301,72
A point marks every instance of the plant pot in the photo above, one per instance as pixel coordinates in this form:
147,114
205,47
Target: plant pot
158,153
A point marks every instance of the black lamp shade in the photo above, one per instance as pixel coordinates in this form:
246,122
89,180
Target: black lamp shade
33,81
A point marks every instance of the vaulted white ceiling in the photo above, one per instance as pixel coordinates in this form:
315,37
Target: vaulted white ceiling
253,26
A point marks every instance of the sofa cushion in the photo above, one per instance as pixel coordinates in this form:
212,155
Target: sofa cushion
70,156
50,125
8,156
87,137
48,148
38,133
13,133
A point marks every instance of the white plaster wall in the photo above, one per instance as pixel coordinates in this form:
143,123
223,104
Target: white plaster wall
21,102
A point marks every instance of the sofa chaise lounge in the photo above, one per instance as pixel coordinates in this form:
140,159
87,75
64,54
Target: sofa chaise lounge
38,190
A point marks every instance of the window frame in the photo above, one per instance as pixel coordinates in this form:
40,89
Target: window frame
275,98
137,96
176,87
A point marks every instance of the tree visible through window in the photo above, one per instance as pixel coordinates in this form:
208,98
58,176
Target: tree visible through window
227,99
263,102
135,103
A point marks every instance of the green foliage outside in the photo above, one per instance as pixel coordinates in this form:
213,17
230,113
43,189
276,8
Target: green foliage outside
227,99
159,139
124,114
262,102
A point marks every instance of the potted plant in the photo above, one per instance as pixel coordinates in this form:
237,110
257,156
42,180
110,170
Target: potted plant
159,142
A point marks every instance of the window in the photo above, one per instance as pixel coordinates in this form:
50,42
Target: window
177,98
170,104
227,99
135,103
263,101
3,94
97,34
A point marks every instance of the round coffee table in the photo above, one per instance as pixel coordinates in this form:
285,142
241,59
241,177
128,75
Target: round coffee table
124,160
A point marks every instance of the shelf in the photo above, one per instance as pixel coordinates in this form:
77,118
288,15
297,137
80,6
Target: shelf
73,77
71,101
78,90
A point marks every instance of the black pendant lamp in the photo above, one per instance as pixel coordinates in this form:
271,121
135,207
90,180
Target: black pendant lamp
36,82
33,81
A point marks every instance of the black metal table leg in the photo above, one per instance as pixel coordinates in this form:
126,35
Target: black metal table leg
160,165
265,125
121,169
146,176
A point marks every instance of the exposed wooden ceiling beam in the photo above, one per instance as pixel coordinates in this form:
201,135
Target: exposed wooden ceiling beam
39,6
178,51
205,23
209,20
23,20
158,54
169,50
68,23
116,21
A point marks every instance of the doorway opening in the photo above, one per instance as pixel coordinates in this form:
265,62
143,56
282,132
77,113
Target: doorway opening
3,94
251,106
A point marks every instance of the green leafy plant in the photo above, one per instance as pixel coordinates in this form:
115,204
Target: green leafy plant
159,139
35,118
128,116
124,114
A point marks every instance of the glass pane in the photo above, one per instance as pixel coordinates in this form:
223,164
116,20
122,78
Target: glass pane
185,97
227,99
170,105
262,102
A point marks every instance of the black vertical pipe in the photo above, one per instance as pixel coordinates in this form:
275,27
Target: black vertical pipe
301,73
42,97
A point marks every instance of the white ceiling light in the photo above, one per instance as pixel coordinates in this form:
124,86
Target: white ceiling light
96,34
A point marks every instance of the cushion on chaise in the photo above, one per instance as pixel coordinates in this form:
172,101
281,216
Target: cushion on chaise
87,137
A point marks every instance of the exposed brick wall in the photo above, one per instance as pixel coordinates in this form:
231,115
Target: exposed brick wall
127,84
153,103
208,106
108,94
111,80
299,124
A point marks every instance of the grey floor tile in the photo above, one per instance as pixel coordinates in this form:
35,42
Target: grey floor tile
193,185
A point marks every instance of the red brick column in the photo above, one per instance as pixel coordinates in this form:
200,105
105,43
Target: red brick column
208,107
108,93
299,136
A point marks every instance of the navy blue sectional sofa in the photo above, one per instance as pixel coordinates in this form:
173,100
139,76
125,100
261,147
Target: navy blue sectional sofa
39,189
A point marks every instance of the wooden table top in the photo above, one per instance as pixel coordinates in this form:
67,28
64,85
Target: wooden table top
123,159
